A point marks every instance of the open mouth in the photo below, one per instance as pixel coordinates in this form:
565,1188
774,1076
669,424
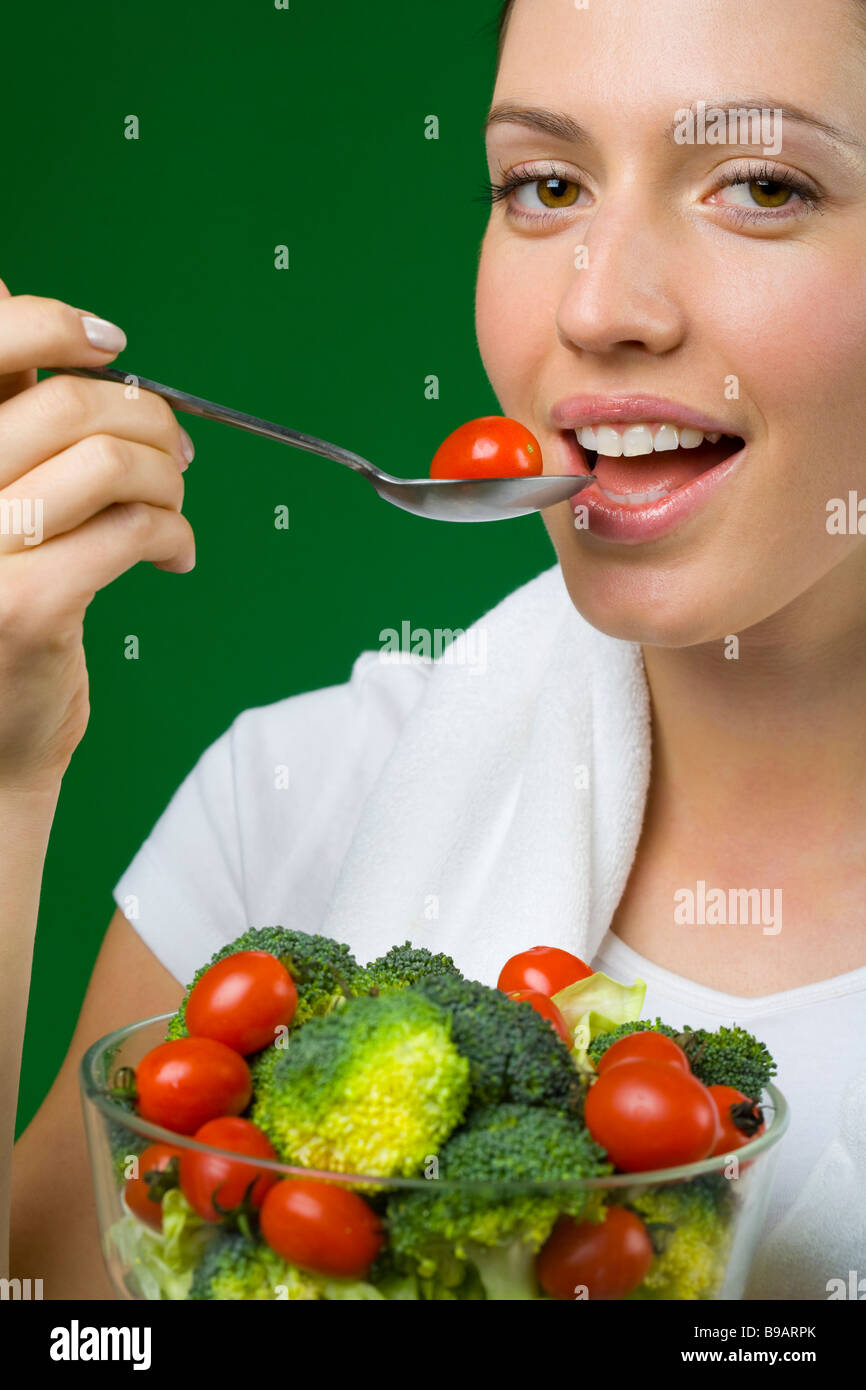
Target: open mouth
642,464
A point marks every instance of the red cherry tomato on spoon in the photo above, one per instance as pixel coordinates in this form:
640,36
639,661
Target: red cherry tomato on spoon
490,447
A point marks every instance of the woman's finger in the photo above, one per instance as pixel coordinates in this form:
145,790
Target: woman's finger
48,588
14,382
67,490
61,410
37,332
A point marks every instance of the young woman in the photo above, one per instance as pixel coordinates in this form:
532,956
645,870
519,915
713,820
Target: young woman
675,707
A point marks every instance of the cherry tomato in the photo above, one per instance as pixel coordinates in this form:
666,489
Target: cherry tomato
546,1007
733,1135
321,1227
545,969
208,1178
137,1191
644,1047
651,1115
609,1258
490,447
242,1000
183,1083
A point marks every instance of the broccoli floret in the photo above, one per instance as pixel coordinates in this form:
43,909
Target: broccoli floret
691,1225
603,1041
406,965
374,1088
497,1227
513,1053
324,971
237,1267
124,1143
728,1057
724,1057
397,1278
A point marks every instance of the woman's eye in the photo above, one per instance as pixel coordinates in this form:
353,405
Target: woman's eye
764,193
549,193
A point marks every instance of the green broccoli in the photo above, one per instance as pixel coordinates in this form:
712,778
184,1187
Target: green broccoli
494,1230
603,1041
237,1267
405,965
514,1054
324,971
374,1088
397,1277
691,1225
726,1056
123,1143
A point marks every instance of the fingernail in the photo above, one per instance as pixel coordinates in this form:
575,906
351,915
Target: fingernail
102,334
187,446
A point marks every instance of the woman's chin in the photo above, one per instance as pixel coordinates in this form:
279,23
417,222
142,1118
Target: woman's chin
656,614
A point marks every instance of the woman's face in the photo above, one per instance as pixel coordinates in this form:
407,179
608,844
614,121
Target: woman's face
705,280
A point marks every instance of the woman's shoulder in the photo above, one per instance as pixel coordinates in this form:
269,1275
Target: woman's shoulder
362,713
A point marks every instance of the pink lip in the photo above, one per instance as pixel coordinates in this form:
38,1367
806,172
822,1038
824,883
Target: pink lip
634,525
576,411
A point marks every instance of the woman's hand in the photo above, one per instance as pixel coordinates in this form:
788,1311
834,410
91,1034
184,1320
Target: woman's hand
90,483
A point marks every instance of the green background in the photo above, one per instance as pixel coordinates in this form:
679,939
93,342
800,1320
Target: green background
258,127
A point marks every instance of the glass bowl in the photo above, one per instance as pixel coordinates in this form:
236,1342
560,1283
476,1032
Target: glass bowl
705,1219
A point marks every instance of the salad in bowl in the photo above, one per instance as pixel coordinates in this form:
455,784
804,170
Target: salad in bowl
305,1127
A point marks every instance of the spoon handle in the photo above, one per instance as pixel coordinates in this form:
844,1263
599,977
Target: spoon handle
209,410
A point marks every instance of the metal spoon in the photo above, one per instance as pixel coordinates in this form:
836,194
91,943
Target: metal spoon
440,499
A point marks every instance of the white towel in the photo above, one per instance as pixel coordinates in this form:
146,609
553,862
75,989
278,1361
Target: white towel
532,744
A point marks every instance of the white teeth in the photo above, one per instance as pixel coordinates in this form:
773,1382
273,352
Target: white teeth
609,442
636,499
668,437
639,439
690,439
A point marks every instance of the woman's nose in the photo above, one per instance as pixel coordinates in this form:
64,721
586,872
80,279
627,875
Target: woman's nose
627,286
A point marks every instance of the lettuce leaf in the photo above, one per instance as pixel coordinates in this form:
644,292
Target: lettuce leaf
597,1005
160,1264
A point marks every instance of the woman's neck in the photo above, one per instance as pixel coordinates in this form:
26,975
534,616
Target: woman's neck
767,730
758,783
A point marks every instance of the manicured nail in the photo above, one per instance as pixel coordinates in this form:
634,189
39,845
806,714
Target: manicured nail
187,446
102,334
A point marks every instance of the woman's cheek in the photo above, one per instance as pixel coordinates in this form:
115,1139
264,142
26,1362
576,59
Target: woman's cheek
512,327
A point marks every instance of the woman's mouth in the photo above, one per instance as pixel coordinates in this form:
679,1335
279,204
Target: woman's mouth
649,476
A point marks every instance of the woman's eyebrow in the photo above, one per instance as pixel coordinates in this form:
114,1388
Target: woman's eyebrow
564,127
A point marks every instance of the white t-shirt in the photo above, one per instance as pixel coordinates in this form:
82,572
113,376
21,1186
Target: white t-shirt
256,835
817,1038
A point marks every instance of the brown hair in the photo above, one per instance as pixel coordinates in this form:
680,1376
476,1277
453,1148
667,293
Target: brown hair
502,25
